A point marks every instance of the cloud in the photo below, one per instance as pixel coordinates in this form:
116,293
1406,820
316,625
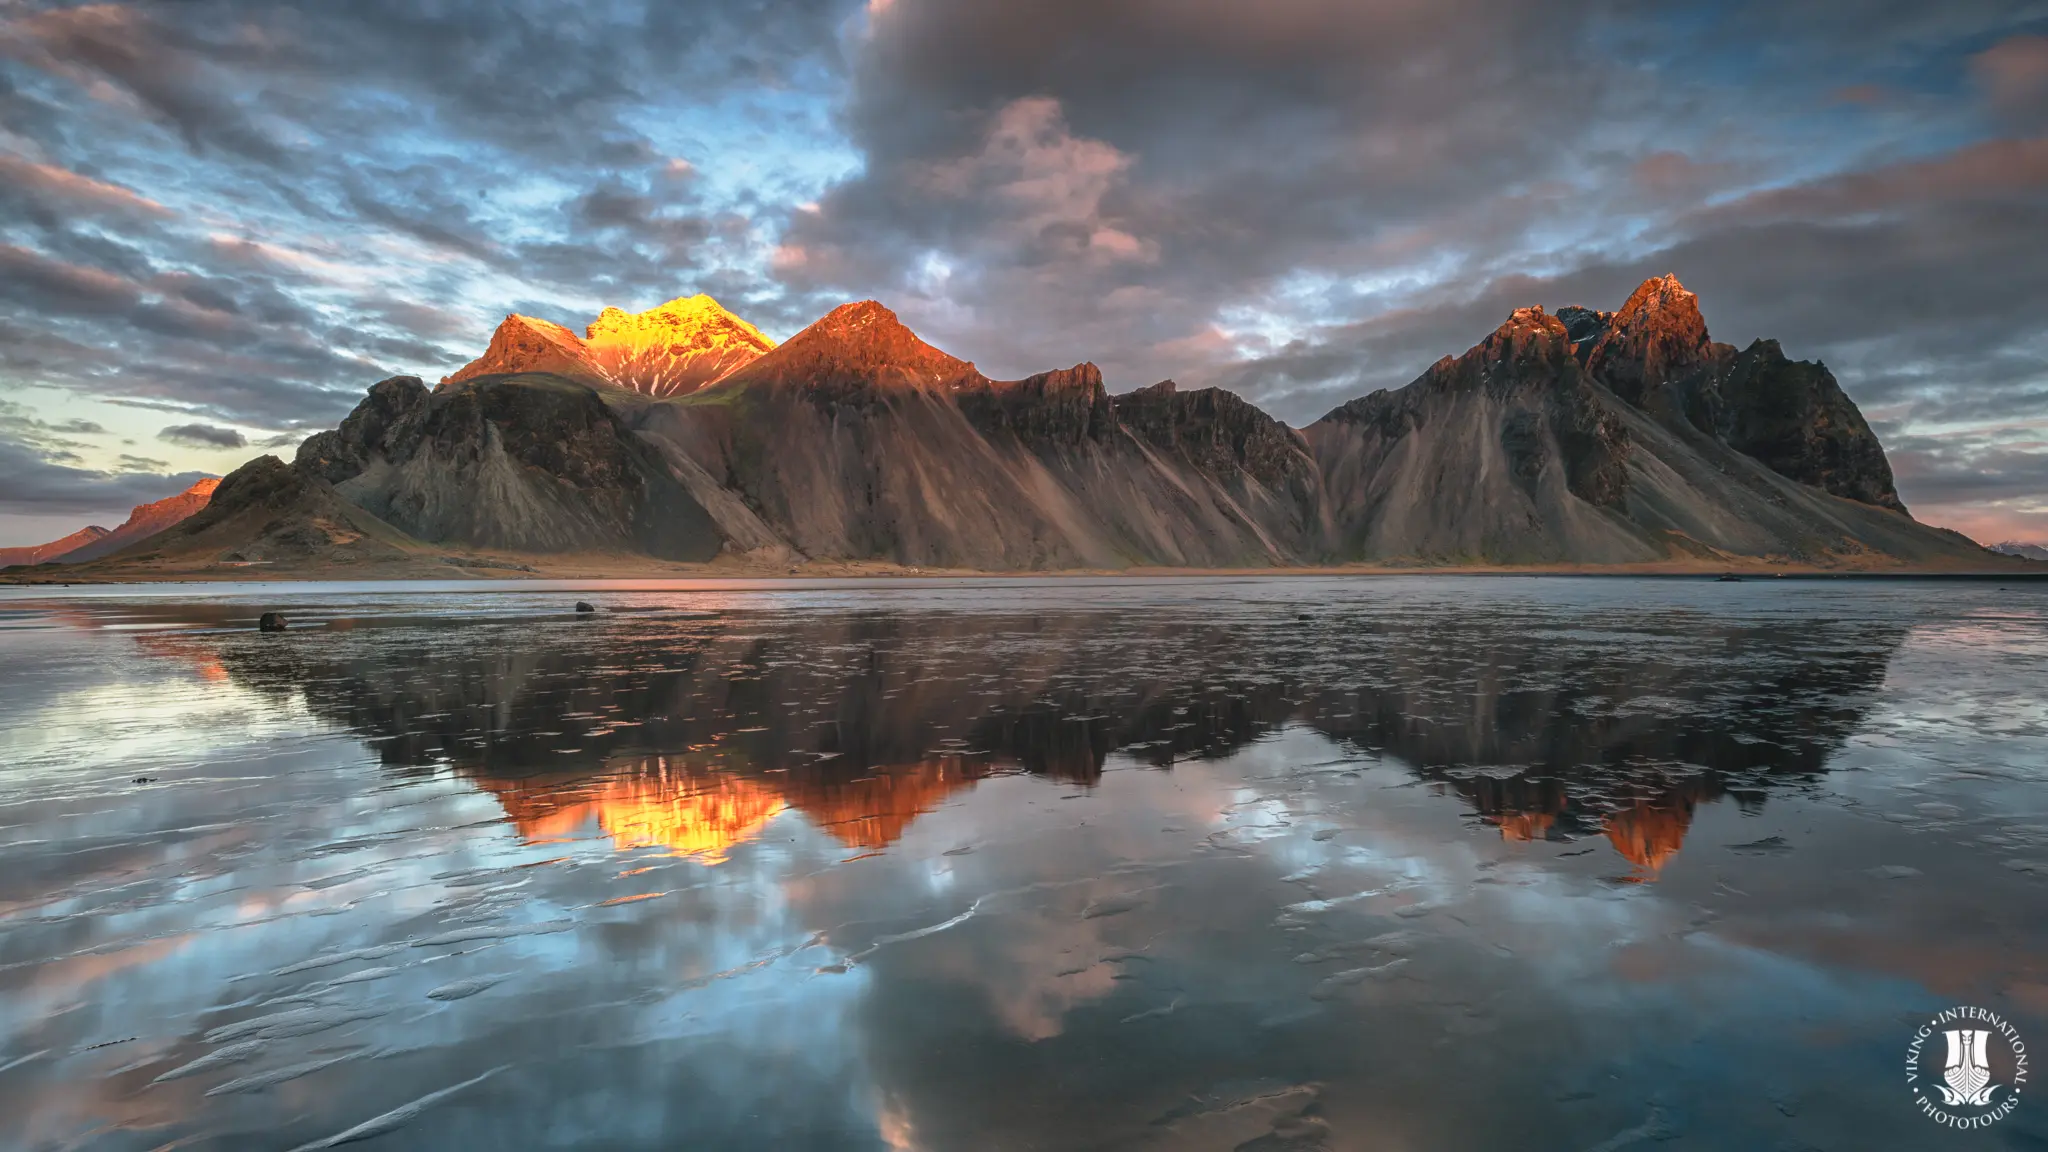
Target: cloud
203,436
46,475
2014,75
46,194
122,55
244,212
30,277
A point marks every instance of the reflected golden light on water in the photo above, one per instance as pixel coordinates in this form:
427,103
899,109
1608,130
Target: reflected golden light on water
1649,835
692,810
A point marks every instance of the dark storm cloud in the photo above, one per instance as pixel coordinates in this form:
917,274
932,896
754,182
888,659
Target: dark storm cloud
202,436
1102,177
163,69
34,279
1948,473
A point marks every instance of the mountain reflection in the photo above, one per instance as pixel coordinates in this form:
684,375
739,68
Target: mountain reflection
693,732
692,810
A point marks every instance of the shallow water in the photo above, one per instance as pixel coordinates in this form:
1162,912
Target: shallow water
1430,863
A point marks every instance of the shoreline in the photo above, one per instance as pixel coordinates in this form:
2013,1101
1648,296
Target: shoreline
639,570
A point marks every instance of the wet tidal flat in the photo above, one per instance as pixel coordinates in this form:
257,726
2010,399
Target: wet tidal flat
1394,863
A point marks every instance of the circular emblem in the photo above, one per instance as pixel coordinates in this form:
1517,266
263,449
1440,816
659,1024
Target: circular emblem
1966,1067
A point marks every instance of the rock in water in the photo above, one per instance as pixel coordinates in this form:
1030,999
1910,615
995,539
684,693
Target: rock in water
271,622
585,606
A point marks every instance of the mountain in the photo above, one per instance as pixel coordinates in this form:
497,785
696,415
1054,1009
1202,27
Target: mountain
55,550
268,512
522,463
670,350
2024,551
1789,415
1625,437
857,440
93,542
682,435
147,520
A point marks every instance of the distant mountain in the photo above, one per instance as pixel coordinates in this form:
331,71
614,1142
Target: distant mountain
93,542
682,434
55,550
671,350
147,520
2024,551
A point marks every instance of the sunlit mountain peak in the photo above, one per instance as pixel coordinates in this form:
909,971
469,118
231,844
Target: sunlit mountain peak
669,350
674,348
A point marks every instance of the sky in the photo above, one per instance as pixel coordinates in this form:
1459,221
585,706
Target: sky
222,220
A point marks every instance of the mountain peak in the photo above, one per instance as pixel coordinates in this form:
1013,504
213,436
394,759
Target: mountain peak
1526,332
860,316
1657,335
673,348
669,350
93,541
854,344
527,344
1662,295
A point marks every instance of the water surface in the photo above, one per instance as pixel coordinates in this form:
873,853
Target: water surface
1430,863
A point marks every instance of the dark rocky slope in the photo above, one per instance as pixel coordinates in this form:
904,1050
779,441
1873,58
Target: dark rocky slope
525,463
268,512
858,440
1592,437
1791,416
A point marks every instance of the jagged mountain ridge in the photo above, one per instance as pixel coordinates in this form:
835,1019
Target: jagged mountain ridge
1789,415
672,349
1581,438
855,439
1615,438
525,463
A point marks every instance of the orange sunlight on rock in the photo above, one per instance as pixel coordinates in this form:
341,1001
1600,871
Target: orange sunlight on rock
670,350
704,813
1649,836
